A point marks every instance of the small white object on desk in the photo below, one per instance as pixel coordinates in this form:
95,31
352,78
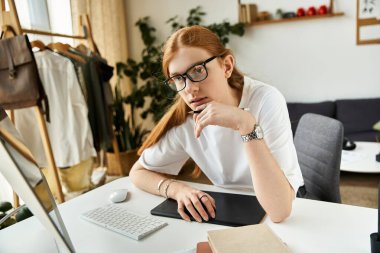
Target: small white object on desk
119,195
349,156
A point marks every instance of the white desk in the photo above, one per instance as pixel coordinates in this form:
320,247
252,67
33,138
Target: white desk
313,227
362,159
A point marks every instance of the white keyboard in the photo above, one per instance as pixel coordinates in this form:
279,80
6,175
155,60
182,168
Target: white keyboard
117,218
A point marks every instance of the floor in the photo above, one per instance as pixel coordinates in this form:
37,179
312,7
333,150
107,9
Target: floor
359,189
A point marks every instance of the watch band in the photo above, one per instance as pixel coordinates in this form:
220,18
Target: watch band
256,134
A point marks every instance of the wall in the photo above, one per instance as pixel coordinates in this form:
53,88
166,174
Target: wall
307,61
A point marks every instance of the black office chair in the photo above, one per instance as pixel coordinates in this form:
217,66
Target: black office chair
318,141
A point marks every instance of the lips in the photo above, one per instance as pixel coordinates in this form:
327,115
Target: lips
198,101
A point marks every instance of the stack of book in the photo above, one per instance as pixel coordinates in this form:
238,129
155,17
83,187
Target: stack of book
248,13
253,238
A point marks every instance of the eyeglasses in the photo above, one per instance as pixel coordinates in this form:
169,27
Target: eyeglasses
195,73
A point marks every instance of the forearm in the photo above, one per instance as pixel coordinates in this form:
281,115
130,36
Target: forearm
145,179
149,181
271,186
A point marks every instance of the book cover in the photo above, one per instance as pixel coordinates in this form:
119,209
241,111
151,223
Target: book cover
253,238
203,247
242,14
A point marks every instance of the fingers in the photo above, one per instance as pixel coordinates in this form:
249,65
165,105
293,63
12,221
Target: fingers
209,203
201,119
200,109
196,205
201,122
195,115
199,208
189,206
182,212
211,114
212,200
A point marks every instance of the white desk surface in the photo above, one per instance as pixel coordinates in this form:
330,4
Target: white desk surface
313,226
362,159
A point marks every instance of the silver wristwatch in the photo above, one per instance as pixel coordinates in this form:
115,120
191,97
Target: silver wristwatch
256,134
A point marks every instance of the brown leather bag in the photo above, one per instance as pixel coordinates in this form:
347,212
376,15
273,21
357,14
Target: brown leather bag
3,115
20,84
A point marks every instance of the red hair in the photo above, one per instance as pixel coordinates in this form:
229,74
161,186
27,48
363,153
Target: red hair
193,36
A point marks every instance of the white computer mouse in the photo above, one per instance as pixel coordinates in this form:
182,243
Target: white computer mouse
118,195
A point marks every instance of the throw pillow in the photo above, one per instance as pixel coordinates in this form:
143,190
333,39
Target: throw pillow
377,126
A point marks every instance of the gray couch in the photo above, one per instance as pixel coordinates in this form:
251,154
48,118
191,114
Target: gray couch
357,115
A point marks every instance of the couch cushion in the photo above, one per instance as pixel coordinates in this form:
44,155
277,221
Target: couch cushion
358,115
376,127
296,110
372,136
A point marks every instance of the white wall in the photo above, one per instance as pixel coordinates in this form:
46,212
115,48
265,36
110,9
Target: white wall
307,61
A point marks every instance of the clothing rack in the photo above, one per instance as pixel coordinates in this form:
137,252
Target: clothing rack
10,18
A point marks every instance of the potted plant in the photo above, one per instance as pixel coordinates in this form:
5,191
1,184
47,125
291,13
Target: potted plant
129,136
21,214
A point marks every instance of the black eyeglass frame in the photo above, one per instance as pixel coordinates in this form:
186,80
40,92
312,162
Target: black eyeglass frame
185,75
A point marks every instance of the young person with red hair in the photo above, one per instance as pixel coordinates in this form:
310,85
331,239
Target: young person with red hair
236,129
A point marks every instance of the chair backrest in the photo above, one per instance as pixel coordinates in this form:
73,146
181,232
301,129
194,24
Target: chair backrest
318,141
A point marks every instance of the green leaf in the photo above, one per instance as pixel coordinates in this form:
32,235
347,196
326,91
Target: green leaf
9,222
5,206
23,214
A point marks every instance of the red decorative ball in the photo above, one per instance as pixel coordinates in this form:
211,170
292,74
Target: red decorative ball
311,11
322,10
301,12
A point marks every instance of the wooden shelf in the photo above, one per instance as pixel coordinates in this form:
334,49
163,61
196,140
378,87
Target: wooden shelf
276,21
368,21
364,22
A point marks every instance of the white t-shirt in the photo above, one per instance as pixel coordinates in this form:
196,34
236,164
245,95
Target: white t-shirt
69,129
219,151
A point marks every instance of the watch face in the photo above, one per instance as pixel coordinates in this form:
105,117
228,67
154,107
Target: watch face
259,132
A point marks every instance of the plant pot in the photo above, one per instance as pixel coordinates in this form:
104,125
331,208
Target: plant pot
120,166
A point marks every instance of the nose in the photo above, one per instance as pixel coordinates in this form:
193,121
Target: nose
191,86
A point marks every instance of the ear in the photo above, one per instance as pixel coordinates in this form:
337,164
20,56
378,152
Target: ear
228,65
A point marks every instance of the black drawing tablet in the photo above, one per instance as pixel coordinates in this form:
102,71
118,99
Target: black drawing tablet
231,209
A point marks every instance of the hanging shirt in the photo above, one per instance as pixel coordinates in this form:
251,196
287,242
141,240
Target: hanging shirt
96,74
69,130
81,80
219,151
